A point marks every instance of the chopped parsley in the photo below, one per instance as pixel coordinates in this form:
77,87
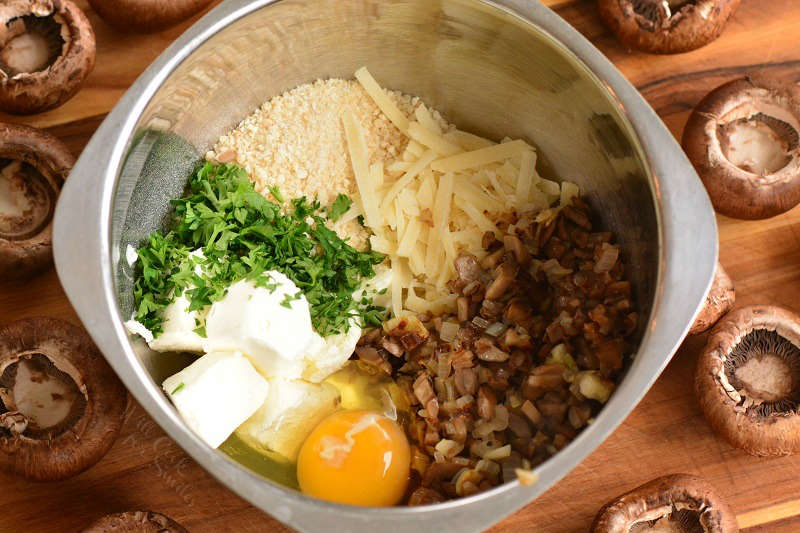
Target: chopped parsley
242,236
180,387
289,298
276,192
339,207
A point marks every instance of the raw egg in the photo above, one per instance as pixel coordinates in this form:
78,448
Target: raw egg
356,457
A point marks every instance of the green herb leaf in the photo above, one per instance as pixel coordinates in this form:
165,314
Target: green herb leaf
276,192
339,207
243,236
178,388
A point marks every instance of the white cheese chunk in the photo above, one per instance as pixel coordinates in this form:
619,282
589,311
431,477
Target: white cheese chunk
177,329
135,327
292,409
177,333
380,281
328,354
216,393
254,320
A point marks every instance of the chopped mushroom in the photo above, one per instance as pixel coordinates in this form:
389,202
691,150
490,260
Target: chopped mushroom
33,166
678,502
47,49
748,380
146,16
61,405
666,26
743,139
719,301
493,393
135,522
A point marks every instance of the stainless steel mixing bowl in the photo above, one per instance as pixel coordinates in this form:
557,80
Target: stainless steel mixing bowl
508,67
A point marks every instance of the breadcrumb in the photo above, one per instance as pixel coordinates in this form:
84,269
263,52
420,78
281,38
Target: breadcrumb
296,142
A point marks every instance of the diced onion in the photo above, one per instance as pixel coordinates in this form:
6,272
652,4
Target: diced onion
464,401
480,322
499,453
449,331
526,477
608,258
495,329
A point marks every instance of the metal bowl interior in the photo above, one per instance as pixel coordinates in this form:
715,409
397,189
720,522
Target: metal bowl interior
505,68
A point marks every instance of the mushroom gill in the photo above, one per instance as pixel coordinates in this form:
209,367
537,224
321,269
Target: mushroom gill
33,165
135,522
666,26
47,49
748,380
61,406
677,503
743,139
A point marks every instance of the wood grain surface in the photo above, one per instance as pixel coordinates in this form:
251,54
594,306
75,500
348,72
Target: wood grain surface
665,434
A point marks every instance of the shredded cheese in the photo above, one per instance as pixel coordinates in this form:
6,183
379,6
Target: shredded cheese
480,157
431,139
439,197
359,159
381,100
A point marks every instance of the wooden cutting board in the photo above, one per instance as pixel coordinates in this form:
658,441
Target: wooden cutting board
666,432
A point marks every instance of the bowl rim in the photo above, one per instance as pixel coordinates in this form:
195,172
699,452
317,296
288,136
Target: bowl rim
84,210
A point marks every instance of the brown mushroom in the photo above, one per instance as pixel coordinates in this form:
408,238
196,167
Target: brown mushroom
135,522
61,405
748,380
666,26
33,166
47,50
678,502
743,139
146,16
719,301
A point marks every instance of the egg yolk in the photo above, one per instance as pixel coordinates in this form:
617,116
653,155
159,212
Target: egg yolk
355,457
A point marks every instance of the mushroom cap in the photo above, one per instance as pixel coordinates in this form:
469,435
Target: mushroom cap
34,92
21,258
146,16
758,434
692,25
719,301
734,191
59,456
135,522
659,498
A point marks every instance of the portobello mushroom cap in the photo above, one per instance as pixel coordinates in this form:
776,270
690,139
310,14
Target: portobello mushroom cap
47,49
719,301
748,380
61,405
33,166
666,26
135,522
677,503
146,16
743,139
